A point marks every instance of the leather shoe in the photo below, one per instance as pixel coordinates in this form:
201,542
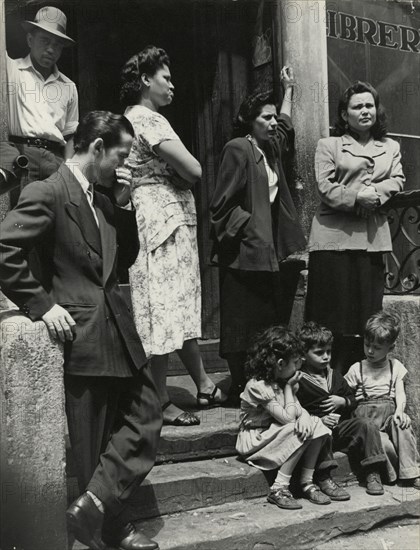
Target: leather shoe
128,538
85,521
373,484
330,488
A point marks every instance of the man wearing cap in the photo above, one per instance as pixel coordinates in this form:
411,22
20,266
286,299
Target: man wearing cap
42,102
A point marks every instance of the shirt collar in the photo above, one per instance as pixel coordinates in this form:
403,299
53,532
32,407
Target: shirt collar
26,63
328,374
349,140
258,152
78,174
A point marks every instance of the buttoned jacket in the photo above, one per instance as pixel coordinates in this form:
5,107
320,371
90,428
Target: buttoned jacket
340,163
79,271
248,232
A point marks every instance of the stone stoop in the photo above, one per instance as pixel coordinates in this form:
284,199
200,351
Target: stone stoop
200,495
177,487
257,525
197,466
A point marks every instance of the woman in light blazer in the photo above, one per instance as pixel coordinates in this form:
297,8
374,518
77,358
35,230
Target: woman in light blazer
357,172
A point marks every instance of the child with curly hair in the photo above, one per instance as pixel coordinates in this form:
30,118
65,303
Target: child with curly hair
275,431
378,382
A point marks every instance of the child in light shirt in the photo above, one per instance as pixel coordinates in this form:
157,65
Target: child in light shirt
378,382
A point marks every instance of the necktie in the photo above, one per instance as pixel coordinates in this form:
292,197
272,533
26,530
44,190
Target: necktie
89,196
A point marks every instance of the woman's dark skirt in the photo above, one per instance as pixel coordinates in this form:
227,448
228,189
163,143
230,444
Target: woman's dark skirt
344,289
251,301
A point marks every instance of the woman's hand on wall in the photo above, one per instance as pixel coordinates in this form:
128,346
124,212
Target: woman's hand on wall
287,77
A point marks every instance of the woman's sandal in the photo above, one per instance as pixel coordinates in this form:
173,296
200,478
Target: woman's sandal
184,419
211,399
314,494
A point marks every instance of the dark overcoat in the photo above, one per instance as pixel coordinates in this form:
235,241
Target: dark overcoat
248,233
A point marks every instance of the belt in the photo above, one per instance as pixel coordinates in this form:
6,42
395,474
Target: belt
41,143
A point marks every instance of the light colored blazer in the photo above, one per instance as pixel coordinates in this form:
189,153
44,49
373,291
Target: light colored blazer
340,163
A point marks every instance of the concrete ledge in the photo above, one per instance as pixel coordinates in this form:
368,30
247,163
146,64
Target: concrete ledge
407,349
32,452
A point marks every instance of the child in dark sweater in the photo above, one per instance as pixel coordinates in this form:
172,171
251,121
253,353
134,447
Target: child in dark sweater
326,394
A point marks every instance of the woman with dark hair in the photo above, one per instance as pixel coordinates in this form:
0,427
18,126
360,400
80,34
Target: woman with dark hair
357,171
255,228
165,279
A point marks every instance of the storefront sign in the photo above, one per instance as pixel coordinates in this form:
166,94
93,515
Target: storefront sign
363,30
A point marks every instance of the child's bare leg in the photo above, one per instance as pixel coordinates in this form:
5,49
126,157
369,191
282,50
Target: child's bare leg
279,491
310,457
286,469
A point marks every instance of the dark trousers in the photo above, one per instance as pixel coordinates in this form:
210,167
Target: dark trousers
251,301
344,289
114,428
360,439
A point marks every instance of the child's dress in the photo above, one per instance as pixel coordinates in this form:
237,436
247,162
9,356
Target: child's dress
375,393
269,446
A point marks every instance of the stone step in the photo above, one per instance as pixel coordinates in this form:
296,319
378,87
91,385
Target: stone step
180,444
257,525
171,488
215,436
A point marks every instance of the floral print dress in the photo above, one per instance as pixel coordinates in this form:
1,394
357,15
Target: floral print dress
165,279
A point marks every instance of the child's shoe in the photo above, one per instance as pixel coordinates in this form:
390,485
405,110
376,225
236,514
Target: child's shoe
283,499
330,488
373,484
315,495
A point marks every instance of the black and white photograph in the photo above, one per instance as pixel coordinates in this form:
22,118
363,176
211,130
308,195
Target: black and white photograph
209,274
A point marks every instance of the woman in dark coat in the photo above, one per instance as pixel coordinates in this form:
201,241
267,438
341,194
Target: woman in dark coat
255,228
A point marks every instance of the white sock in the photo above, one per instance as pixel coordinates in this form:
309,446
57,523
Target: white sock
98,502
282,480
306,476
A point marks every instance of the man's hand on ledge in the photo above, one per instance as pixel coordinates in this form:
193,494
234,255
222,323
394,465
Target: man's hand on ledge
60,323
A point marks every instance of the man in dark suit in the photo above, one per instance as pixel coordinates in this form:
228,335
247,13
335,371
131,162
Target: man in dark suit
81,237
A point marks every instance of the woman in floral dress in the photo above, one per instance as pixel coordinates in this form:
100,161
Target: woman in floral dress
165,279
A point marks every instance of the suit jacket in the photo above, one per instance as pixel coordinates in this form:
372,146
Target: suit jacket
311,394
340,162
244,233
79,271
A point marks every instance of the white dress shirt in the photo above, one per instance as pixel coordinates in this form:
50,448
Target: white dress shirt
271,174
40,108
87,187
